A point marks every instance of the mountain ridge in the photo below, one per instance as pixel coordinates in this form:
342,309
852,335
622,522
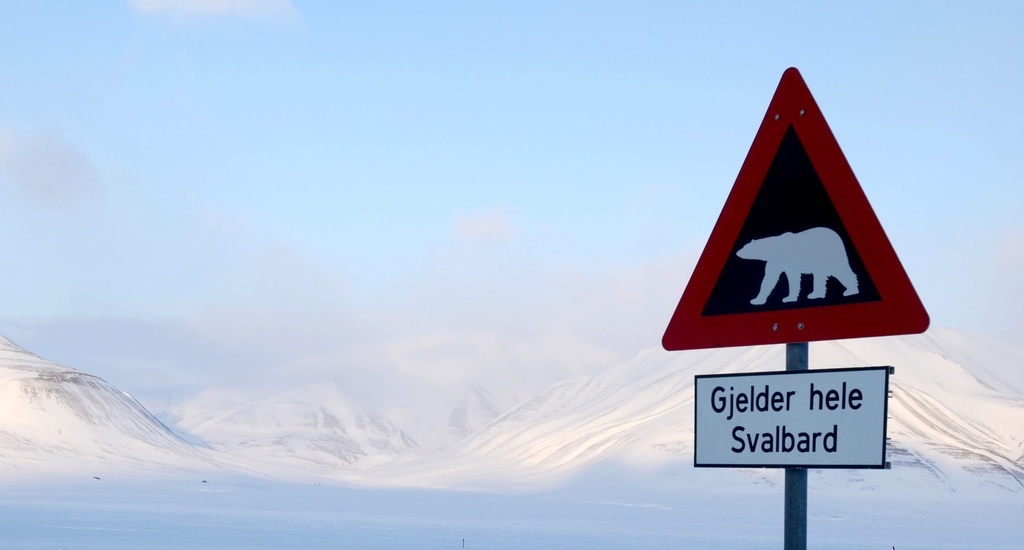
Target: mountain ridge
956,412
54,418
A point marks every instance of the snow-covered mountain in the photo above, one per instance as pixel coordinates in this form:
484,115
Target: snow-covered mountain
55,419
956,415
315,427
957,419
436,390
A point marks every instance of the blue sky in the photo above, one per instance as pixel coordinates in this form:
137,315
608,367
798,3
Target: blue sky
202,185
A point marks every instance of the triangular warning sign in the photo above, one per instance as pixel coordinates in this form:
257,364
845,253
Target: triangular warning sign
797,254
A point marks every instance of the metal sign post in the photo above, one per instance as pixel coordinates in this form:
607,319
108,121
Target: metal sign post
797,255
795,530
794,419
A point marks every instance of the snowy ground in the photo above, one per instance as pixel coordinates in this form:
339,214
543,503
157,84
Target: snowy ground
184,512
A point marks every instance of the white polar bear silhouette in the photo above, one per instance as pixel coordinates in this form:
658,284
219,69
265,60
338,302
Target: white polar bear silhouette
817,251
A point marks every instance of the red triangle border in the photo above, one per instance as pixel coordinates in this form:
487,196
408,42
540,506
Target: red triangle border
899,311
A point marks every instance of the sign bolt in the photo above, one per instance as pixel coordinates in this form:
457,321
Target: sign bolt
775,327
800,325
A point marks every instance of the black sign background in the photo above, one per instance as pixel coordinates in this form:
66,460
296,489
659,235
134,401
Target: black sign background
791,199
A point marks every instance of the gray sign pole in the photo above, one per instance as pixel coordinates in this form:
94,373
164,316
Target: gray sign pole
795,536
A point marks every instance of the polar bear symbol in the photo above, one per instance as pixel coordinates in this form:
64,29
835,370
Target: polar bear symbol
817,251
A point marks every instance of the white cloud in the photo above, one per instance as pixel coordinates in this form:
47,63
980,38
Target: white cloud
245,9
489,225
48,170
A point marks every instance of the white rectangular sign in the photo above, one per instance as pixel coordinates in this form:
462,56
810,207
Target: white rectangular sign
834,418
